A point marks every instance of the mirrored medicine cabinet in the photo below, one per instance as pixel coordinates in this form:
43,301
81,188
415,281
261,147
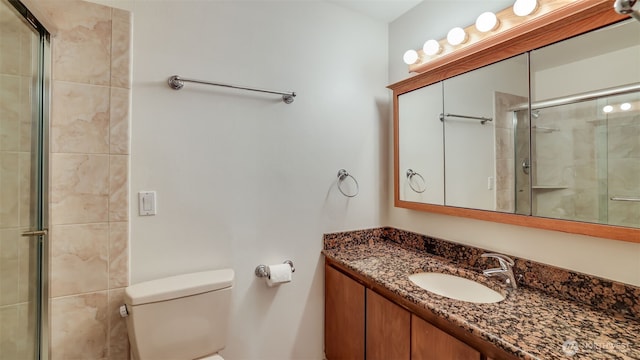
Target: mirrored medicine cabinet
545,134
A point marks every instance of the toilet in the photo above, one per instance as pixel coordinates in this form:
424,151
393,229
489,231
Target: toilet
184,317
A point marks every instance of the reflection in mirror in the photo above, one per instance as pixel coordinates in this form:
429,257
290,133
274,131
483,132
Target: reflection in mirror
584,160
479,132
421,160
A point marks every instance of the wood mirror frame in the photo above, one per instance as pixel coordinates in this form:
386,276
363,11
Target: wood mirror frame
573,18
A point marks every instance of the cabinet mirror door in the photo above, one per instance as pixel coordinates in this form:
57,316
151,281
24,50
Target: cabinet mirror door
585,121
479,132
421,158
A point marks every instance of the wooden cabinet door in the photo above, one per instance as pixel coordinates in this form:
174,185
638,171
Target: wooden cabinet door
343,316
430,343
388,329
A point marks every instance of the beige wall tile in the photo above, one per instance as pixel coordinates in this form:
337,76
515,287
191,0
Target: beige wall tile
28,268
10,190
119,123
120,53
79,327
80,118
82,47
26,318
118,336
25,203
10,112
119,190
10,38
118,254
9,322
88,186
79,259
25,114
79,188
9,266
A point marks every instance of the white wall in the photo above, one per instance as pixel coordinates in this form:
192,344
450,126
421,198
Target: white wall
610,259
242,178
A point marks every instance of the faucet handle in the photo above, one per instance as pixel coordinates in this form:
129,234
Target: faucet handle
505,261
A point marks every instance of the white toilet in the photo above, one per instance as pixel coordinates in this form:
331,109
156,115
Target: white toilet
182,317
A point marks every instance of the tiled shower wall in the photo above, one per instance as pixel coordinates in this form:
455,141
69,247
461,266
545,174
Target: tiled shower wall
89,160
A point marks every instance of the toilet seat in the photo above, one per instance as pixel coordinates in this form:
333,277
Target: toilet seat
212,357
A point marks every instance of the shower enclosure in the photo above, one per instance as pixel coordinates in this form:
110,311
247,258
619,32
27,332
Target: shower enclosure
24,50
583,160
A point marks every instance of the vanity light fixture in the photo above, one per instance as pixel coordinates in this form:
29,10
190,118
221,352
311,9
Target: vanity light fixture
607,109
486,22
410,57
432,47
456,36
525,7
625,106
487,25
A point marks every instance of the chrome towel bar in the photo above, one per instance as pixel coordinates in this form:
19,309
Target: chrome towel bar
482,119
177,82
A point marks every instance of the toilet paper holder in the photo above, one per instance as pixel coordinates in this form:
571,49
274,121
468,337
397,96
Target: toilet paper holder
262,271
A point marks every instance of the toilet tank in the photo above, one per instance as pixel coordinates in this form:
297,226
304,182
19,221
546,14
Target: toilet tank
181,317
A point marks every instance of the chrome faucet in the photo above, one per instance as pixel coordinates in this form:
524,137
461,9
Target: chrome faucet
505,270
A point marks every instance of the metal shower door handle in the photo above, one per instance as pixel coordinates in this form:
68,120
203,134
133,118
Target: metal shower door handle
526,166
42,232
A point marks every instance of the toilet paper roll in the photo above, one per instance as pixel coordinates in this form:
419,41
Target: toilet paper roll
280,274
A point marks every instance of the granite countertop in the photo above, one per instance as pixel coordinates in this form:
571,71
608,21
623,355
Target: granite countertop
528,323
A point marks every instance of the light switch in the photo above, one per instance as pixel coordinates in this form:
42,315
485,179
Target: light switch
146,203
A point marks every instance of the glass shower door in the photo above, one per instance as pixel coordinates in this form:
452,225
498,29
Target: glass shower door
621,193
21,182
585,160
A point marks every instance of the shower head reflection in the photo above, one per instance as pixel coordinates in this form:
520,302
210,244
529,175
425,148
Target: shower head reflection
628,7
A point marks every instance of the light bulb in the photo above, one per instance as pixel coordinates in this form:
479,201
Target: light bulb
525,7
607,109
456,36
625,106
410,57
431,47
486,22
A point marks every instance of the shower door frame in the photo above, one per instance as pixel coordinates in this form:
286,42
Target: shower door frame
39,177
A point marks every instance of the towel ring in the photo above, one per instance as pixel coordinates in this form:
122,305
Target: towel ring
342,175
410,175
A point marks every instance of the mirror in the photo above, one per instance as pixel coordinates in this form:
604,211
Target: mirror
421,145
585,128
478,132
568,163
455,137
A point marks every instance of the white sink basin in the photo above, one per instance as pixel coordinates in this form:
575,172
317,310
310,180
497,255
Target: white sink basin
456,287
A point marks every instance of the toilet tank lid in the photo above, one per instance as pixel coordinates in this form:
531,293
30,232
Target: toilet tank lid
178,286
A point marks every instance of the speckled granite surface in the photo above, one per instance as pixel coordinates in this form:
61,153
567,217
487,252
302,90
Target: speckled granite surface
529,323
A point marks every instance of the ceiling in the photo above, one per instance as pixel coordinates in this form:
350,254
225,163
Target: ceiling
383,10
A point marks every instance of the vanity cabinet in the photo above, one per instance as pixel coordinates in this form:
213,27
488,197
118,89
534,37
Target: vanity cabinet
430,343
344,314
360,323
387,329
